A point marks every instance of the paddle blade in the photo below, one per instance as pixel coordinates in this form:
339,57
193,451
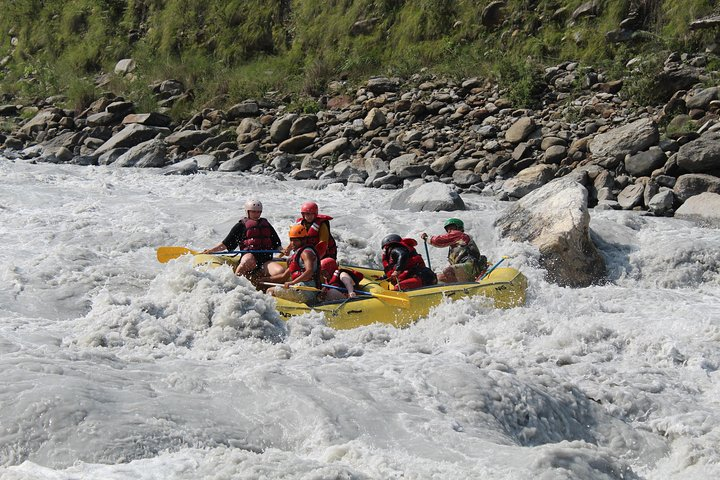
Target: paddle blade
165,254
393,298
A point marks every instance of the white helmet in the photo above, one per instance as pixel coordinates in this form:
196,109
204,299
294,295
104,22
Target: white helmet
253,205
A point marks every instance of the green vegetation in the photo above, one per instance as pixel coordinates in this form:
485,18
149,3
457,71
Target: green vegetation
227,50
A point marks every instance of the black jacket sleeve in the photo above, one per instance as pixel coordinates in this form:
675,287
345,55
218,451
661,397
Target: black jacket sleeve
236,235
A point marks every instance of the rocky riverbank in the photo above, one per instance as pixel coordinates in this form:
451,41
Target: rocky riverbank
392,133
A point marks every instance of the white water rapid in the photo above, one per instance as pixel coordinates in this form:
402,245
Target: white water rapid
115,366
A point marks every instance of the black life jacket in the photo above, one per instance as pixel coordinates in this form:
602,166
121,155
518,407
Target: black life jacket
414,264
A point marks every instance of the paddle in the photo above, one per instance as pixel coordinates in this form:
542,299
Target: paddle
393,298
165,254
492,268
427,253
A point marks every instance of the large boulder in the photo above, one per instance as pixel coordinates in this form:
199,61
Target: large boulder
186,167
693,184
133,134
187,138
555,219
702,155
704,208
642,164
147,154
333,147
610,148
529,179
433,197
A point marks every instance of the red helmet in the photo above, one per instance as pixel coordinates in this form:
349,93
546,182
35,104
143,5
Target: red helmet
309,207
328,265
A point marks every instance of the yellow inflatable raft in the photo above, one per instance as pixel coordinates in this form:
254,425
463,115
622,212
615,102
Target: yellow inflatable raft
504,286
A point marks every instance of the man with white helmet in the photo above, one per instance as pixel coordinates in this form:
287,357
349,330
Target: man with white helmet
251,233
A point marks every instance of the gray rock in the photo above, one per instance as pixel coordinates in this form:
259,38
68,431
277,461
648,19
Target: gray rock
378,85
465,178
486,131
702,155
644,163
611,147
147,154
631,196
205,161
693,184
131,135
187,139
120,108
374,119
703,208
548,142
555,154
520,130
334,147
433,197
280,128
186,167
247,125
376,165
125,66
555,219
303,124
101,119
153,119
443,164
384,181
304,174
241,110
703,98
296,144
239,162
528,180
285,161
662,202
40,121
466,163
111,155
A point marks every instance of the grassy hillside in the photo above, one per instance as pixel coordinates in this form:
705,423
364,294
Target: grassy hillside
228,50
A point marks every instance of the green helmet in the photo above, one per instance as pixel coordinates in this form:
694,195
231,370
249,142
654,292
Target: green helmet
456,222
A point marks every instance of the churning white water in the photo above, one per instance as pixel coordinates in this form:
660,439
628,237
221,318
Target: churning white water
115,366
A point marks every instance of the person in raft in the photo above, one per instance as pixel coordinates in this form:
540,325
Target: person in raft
466,262
303,268
318,228
404,266
251,233
342,277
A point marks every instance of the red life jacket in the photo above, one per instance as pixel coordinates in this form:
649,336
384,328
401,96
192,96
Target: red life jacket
296,265
354,274
314,234
258,234
413,265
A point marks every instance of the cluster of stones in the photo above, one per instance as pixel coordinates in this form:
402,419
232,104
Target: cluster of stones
391,134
